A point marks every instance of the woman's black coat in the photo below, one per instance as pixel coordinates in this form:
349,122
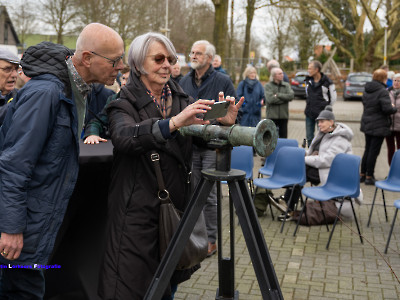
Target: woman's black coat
132,254
375,120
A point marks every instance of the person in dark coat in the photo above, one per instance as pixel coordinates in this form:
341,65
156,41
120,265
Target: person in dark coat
375,122
253,92
320,91
145,119
203,82
39,151
176,73
96,130
217,64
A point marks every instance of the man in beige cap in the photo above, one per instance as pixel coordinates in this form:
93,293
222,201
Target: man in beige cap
39,149
9,63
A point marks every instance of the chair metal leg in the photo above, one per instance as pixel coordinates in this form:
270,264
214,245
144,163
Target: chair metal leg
323,213
355,219
303,210
334,224
270,209
372,207
391,231
384,205
288,205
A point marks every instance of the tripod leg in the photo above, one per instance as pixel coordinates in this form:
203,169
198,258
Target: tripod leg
255,241
175,248
226,265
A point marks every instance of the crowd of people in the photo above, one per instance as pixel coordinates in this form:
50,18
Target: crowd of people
67,98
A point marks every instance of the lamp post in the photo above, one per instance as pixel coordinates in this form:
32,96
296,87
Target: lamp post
385,46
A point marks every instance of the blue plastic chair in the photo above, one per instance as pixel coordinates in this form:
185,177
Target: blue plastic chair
242,159
289,171
397,205
391,183
343,183
268,167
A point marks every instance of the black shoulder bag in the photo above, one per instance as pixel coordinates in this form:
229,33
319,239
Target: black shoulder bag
196,248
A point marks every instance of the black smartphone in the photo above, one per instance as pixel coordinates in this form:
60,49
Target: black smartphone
218,110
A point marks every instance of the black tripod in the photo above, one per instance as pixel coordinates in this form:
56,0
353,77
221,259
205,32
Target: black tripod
239,197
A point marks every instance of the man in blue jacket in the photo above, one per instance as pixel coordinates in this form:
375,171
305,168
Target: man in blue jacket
39,151
203,82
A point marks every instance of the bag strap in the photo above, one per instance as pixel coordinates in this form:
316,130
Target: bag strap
163,194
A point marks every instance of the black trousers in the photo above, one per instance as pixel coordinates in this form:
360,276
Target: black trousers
281,124
21,284
372,148
312,176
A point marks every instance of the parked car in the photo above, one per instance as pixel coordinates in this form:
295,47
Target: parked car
355,84
298,84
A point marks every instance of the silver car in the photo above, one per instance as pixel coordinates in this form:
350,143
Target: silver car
355,84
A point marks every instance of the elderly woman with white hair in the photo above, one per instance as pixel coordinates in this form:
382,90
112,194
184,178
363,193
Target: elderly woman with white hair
146,118
332,138
253,92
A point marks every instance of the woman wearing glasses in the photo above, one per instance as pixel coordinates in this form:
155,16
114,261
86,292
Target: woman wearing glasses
146,118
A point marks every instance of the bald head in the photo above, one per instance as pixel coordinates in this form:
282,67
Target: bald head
98,38
99,53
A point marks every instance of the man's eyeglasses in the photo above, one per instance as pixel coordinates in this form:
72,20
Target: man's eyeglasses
160,58
114,61
9,69
194,54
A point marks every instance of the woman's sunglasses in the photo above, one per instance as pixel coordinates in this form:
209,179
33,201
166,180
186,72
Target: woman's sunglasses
160,58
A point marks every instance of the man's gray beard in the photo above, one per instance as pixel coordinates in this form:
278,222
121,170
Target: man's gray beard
197,65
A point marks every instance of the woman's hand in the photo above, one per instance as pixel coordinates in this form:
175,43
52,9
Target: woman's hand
94,139
188,116
233,109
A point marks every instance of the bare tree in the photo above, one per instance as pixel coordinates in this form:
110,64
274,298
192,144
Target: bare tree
307,34
252,6
280,34
58,14
191,23
366,47
24,20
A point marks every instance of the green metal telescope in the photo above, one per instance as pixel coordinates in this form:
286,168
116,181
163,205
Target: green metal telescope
263,137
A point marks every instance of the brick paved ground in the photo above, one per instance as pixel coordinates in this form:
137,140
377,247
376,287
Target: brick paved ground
305,269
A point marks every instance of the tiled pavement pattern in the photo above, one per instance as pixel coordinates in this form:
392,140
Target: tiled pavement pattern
305,269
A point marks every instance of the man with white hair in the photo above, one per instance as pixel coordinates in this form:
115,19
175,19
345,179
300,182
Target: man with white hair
275,64
277,96
203,82
217,64
9,64
39,146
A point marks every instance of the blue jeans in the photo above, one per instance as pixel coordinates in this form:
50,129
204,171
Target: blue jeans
21,284
204,158
310,128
